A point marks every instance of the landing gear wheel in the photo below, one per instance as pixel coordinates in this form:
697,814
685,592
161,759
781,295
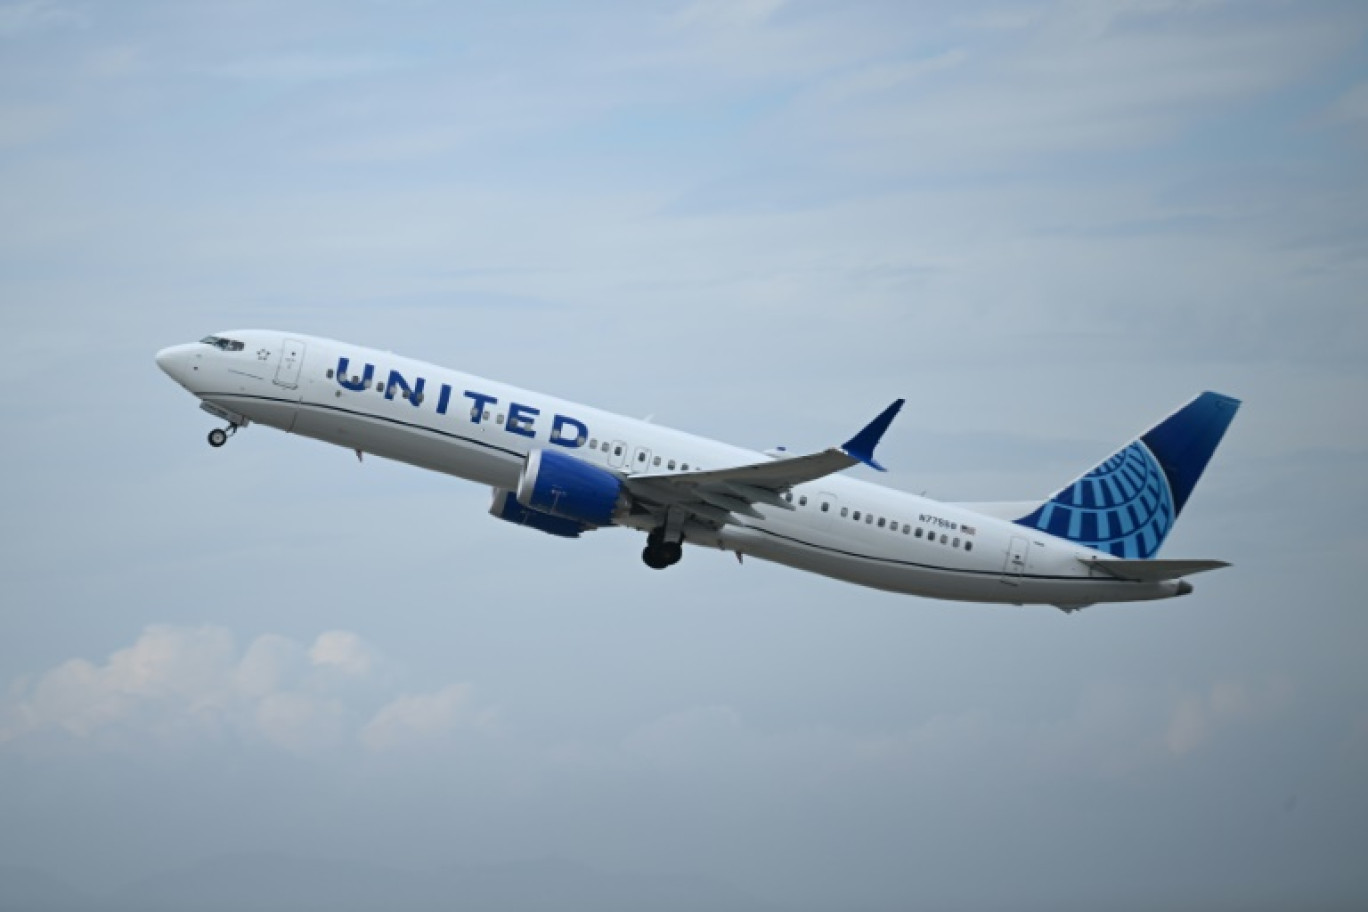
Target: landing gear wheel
218,437
661,554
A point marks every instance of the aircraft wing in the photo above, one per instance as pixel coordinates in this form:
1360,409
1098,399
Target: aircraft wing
1153,570
716,494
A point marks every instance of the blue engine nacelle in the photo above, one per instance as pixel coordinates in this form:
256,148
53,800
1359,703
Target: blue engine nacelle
563,486
507,508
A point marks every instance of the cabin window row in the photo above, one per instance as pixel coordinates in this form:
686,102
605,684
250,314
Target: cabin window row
395,390
885,523
656,461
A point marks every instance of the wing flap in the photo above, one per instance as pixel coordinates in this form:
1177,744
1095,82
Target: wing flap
771,475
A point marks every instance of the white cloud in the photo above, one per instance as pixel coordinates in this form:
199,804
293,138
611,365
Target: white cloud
181,685
419,718
342,650
300,722
265,665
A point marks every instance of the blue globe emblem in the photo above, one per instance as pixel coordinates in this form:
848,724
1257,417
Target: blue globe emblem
1123,507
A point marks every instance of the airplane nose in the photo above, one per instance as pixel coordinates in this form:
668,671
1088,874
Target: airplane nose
175,362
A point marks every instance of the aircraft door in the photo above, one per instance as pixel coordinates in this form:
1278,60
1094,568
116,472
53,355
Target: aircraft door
641,461
1018,552
291,360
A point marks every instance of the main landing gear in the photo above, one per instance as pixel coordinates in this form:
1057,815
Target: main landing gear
660,553
219,436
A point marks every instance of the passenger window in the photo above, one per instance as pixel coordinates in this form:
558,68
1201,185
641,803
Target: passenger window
485,416
881,522
826,507
380,386
475,414
857,515
944,538
802,501
906,528
656,460
869,519
593,443
500,421
404,394
330,373
617,451
968,546
919,533
356,381
685,467
672,465
641,457
845,511
955,543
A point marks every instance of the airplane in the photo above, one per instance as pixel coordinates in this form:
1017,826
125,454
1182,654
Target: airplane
567,469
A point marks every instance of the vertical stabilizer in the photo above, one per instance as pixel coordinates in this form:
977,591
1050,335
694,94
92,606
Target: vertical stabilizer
1127,505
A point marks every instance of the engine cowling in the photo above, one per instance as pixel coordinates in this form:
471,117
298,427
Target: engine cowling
507,508
561,485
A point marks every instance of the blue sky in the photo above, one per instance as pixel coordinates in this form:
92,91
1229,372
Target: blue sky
1044,224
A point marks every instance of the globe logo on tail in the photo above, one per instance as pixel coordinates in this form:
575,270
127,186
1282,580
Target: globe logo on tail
1123,507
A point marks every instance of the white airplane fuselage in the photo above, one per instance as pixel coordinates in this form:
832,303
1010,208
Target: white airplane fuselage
470,427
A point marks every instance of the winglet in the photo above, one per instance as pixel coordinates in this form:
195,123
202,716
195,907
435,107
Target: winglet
861,446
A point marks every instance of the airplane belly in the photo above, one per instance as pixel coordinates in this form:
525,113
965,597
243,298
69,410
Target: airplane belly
276,412
412,443
954,584
851,567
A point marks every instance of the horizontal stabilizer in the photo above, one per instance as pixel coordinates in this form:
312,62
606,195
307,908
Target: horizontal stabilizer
1152,571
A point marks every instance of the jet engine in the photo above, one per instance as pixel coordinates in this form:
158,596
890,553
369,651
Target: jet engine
507,508
562,486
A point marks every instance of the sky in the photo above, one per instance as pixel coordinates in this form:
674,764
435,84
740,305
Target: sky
1045,224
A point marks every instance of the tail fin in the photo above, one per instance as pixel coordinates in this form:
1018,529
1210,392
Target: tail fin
1128,504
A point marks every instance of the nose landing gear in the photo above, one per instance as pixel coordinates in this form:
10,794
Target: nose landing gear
219,436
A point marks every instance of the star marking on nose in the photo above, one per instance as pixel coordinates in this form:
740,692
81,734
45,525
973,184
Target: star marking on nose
263,354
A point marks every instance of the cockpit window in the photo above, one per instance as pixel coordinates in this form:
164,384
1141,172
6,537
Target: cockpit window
228,345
